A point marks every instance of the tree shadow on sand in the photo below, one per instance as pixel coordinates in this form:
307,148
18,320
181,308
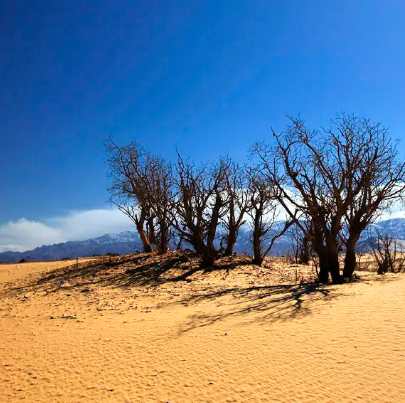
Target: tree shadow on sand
260,303
269,304
264,304
140,270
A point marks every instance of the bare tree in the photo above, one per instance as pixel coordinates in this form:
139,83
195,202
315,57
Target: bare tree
200,204
387,253
299,245
236,193
142,189
337,179
139,216
125,190
158,190
374,177
292,167
263,212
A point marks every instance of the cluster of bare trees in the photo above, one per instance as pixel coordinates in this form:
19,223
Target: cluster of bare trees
388,253
204,206
329,183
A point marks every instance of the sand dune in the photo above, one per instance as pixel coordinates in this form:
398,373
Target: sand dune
107,334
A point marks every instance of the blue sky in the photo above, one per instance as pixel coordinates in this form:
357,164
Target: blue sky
206,76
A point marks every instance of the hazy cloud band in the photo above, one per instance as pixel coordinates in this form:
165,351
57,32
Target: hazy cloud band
23,234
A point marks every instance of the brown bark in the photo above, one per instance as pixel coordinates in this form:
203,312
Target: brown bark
210,250
333,260
208,257
350,258
256,239
304,253
147,247
323,276
231,241
163,240
328,263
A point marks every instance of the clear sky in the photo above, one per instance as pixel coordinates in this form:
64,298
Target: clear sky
206,76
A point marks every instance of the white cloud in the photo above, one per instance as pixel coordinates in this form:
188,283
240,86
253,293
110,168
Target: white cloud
91,223
392,214
24,234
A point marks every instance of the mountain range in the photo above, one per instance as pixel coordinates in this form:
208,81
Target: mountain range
129,242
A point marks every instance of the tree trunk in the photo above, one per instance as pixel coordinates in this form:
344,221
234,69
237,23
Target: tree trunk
151,231
383,266
328,263
163,245
304,255
212,228
257,245
333,259
258,260
321,250
335,269
208,258
147,247
257,236
197,241
231,242
323,266
232,229
350,261
139,222
350,258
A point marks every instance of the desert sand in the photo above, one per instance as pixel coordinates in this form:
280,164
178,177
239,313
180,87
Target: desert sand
132,330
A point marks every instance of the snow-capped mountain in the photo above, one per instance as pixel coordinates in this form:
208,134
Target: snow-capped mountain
125,242
394,227
129,242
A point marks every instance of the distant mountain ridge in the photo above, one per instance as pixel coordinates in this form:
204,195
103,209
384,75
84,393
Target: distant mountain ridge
129,242
123,243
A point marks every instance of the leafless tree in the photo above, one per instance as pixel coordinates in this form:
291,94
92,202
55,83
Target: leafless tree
337,179
200,205
237,200
299,245
158,191
374,177
388,254
142,189
125,190
140,216
264,212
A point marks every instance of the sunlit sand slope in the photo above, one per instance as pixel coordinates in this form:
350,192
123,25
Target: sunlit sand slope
217,337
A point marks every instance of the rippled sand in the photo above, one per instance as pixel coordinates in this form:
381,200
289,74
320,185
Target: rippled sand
102,335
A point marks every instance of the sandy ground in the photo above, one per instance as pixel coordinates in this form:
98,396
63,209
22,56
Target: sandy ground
10,272
105,334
